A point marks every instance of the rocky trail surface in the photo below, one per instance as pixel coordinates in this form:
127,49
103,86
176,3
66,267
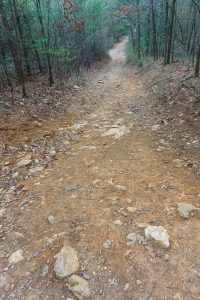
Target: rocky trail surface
96,209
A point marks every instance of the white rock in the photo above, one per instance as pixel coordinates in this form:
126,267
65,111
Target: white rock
155,127
132,209
117,132
131,237
184,209
16,256
51,219
178,163
158,234
127,286
24,162
79,287
2,212
107,244
66,262
120,187
118,222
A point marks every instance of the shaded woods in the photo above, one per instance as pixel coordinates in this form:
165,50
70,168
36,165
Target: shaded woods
168,29
54,36
63,37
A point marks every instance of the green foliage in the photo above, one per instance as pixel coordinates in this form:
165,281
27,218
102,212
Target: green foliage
133,56
119,30
58,35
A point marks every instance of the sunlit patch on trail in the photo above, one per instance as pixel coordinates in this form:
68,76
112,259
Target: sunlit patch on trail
117,132
79,125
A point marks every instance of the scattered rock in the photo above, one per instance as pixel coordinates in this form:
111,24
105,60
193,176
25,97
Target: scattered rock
138,282
15,175
158,234
120,187
131,237
2,212
66,262
96,183
74,187
142,225
79,287
127,286
107,244
141,240
113,281
24,162
184,209
178,163
16,257
129,201
118,222
51,219
44,270
177,296
132,209
117,132
167,257
155,127
113,200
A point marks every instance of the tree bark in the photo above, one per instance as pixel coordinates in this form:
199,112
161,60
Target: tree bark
170,33
38,7
197,69
154,31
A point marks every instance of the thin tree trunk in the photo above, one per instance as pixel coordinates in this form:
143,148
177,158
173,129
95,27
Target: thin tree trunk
24,48
170,34
154,31
18,62
197,69
38,7
166,30
138,30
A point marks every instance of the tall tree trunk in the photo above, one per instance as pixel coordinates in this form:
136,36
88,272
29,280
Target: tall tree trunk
44,35
154,31
197,69
4,63
18,61
21,66
24,48
170,33
39,63
166,30
138,30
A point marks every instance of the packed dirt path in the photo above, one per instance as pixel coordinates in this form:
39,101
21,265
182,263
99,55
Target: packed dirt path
114,181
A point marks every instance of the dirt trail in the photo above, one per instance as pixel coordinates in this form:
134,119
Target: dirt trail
113,165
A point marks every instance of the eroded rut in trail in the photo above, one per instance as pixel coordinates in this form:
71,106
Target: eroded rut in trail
101,196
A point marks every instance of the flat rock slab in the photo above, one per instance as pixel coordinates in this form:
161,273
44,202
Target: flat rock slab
120,188
184,209
132,209
16,257
117,132
158,235
74,187
66,262
79,287
24,161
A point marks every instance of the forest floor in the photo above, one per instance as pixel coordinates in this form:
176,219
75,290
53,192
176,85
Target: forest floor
95,178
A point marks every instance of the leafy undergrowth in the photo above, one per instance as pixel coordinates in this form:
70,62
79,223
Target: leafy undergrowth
171,105
44,101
